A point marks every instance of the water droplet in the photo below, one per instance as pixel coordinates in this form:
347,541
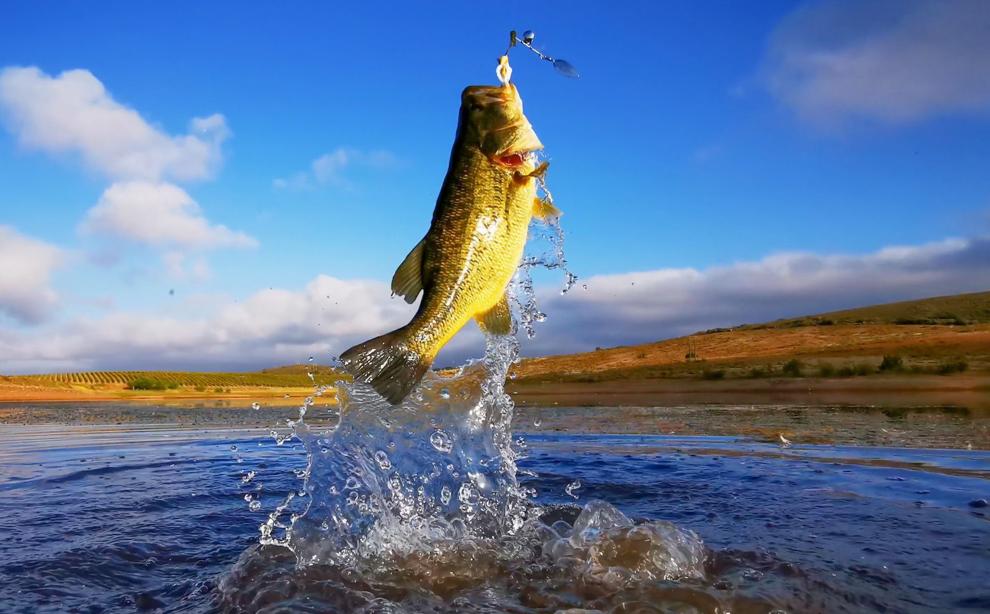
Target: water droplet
445,495
444,393
441,441
467,494
528,37
310,359
351,483
233,448
537,423
382,459
572,488
254,506
247,477
585,286
566,68
256,405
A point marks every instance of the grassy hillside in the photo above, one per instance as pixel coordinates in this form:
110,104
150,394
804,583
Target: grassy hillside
939,336
956,310
290,376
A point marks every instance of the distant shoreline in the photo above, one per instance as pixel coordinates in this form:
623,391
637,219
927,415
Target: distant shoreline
971,390
278,397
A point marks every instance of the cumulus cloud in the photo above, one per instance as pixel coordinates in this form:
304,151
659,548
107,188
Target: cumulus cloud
328,315
274,326
179,267
26,265
158,214
895,61
73,113
329,168
652,305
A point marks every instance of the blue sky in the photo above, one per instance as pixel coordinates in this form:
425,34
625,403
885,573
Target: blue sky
704,141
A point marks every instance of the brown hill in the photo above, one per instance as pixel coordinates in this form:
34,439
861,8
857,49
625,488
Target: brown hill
935,336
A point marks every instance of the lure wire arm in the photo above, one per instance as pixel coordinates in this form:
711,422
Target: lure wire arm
562,66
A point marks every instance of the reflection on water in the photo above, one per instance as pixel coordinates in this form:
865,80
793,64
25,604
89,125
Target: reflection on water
918,426
929,426
138,518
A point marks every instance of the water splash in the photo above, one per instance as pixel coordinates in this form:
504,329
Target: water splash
437,471
430,487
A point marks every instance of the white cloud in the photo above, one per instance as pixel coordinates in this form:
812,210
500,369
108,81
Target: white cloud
158,214
895,61
274,326
329,168
74,114
180,268
279,326
26,265
653,305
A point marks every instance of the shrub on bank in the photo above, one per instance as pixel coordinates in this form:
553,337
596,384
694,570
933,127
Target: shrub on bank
759,372
891,363
854,370
956,366
147,383
792,368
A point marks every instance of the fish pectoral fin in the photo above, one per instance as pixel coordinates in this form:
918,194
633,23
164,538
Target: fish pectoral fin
536,173
408,279
498,319
543,209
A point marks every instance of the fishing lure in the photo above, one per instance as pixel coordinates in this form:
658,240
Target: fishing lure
563,66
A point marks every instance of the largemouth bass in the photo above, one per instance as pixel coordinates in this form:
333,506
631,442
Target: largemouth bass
473,247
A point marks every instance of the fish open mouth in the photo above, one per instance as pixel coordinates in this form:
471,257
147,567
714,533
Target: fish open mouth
516,159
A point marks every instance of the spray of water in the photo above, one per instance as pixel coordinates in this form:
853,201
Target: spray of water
436,472
421,501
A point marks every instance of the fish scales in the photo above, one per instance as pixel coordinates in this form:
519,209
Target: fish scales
473,247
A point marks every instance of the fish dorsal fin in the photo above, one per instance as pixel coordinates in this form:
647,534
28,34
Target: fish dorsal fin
498,319
542,209
408,279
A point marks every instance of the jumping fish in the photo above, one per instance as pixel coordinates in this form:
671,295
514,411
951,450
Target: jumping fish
474,245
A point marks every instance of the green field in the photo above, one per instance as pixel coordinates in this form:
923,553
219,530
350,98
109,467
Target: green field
292,376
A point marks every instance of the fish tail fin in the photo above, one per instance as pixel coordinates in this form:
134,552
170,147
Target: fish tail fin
387,364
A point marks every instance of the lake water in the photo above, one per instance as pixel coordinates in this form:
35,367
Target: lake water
153,517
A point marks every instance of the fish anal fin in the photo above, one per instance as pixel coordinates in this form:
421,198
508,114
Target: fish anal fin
543,209
498,319
408,279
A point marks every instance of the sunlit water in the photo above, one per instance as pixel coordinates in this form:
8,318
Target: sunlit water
96,519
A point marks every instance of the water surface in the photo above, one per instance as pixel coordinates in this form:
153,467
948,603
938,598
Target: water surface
120,518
